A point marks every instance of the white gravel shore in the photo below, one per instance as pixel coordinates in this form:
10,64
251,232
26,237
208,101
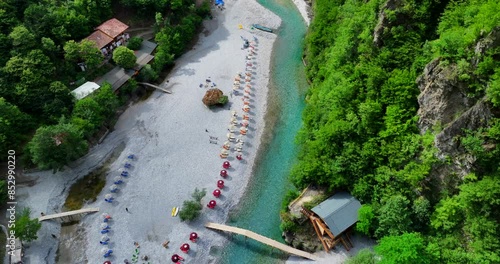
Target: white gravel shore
168,134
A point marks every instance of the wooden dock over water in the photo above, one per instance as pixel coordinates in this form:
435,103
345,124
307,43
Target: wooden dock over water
261,239
68,215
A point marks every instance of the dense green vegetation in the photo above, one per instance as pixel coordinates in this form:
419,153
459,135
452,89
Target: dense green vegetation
360,130
26,228
191,209
40,48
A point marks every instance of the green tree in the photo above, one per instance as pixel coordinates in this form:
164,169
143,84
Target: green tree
366,216
88,109
26,228
14,125
394,217
22,38
85,51
134,43
364,256
52,147
408,248
191,208
60,102
107,100
124,57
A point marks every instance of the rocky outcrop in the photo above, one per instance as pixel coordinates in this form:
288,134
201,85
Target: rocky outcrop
442,97
492,40
383,20
444,104
448,143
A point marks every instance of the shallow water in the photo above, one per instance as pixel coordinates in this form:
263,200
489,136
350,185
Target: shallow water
260,206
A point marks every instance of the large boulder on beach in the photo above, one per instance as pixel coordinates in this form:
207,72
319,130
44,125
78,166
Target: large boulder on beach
214,97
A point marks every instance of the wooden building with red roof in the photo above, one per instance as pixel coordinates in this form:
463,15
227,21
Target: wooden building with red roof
109,35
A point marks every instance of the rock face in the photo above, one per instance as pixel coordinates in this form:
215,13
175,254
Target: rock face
486,43
442,97
383,20
443,101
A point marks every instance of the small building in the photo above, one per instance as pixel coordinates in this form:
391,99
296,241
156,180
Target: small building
84,90
109,35
333,218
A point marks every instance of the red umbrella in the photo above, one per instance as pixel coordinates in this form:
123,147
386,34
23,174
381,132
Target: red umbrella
220,184
226,165
185,247
107,262
175,258
193,236
212,204
223,173
217,193
239,157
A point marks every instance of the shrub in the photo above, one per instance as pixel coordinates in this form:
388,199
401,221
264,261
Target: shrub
134,43
124,57
223,100
191,208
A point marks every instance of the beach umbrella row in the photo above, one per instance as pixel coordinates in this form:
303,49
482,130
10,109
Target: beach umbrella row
105,227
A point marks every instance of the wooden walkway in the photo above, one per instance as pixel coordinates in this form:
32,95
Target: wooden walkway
70,213
261,239
154,86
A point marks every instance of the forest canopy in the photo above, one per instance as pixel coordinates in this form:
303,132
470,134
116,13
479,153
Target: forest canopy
43,45
361,131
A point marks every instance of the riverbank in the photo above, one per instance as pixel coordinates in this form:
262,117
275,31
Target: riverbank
172,136
304,10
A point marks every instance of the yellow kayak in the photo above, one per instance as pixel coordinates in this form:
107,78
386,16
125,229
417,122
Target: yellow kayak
174,210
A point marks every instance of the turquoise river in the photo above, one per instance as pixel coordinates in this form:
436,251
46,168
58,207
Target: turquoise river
259,209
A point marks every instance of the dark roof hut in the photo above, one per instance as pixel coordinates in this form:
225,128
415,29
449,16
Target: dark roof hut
333,218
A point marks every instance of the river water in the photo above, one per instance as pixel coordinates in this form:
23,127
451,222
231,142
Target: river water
260,206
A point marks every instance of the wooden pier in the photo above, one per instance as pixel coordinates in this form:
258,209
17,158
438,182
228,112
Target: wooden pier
68,216
155,86
262,239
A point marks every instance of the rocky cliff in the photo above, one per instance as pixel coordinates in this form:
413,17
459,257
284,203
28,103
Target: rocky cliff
446,109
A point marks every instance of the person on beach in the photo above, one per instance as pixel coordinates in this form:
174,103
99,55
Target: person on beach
136,245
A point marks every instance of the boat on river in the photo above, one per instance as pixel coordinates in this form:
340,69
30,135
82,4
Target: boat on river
257,26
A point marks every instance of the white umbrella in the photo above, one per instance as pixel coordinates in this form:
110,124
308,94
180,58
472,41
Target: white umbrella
246,107
245,123
105,238
227,143
224,152
244,129
113,187
104,226
108,196
230,135
105,215
233,113
239,145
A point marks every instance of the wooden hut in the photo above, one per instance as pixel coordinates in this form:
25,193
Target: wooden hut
333,218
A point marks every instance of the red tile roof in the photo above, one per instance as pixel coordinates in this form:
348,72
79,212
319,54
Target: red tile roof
112,27
100,39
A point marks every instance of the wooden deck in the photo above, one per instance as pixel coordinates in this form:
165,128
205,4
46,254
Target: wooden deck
155,86
261,239
70,213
